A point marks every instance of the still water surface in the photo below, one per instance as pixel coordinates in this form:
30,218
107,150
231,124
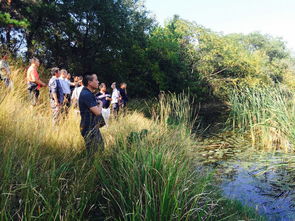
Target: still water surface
265,183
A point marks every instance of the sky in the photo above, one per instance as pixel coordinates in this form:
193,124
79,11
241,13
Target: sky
274,17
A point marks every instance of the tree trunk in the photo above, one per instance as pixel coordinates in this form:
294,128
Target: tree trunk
29,40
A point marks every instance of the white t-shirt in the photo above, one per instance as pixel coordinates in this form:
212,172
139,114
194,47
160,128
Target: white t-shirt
115,96
76,93
65,84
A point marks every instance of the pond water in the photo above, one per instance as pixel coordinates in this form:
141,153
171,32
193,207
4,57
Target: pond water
265,183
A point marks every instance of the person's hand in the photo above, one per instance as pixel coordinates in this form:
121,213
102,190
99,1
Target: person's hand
99,103
44,85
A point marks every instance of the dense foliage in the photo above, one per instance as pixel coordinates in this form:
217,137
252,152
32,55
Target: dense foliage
118,40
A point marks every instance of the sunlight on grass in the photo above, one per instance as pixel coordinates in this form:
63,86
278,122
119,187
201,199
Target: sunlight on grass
146,172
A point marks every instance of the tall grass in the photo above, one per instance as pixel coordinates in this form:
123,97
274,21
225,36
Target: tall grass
267,113
44,173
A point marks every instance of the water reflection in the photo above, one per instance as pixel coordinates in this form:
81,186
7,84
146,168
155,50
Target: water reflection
267,185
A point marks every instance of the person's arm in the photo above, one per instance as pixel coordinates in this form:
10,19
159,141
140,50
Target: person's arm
54,95
70,83
96,109
119,96
37,80
108,97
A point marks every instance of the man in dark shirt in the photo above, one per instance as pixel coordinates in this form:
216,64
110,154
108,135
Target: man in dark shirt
89,111
123,93
56,94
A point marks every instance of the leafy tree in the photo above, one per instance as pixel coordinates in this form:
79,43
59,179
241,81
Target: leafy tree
120,42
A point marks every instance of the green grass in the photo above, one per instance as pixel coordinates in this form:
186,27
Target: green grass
45,174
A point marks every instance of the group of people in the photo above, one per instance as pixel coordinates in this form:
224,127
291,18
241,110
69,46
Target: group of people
84,93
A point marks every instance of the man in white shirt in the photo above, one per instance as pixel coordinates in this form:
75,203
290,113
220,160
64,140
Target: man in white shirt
76,93
116,97
66,87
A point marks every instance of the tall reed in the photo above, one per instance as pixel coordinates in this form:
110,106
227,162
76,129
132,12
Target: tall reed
267,113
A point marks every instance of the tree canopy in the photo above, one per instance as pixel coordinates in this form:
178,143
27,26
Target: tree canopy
118,40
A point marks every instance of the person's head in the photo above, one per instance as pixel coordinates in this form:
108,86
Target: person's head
55,72
35,61
5,56
80,80
103,87
76,78
63,73
90,81
123,85
69,76
113,86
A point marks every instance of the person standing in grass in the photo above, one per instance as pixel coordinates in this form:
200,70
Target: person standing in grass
123,93
106,99
90,111
33,80
5,71
77,91
116,97
56,94
66,87
73,85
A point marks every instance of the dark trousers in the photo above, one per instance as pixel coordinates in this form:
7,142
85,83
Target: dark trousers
67,102
93,140
34,94
123,103
115,109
